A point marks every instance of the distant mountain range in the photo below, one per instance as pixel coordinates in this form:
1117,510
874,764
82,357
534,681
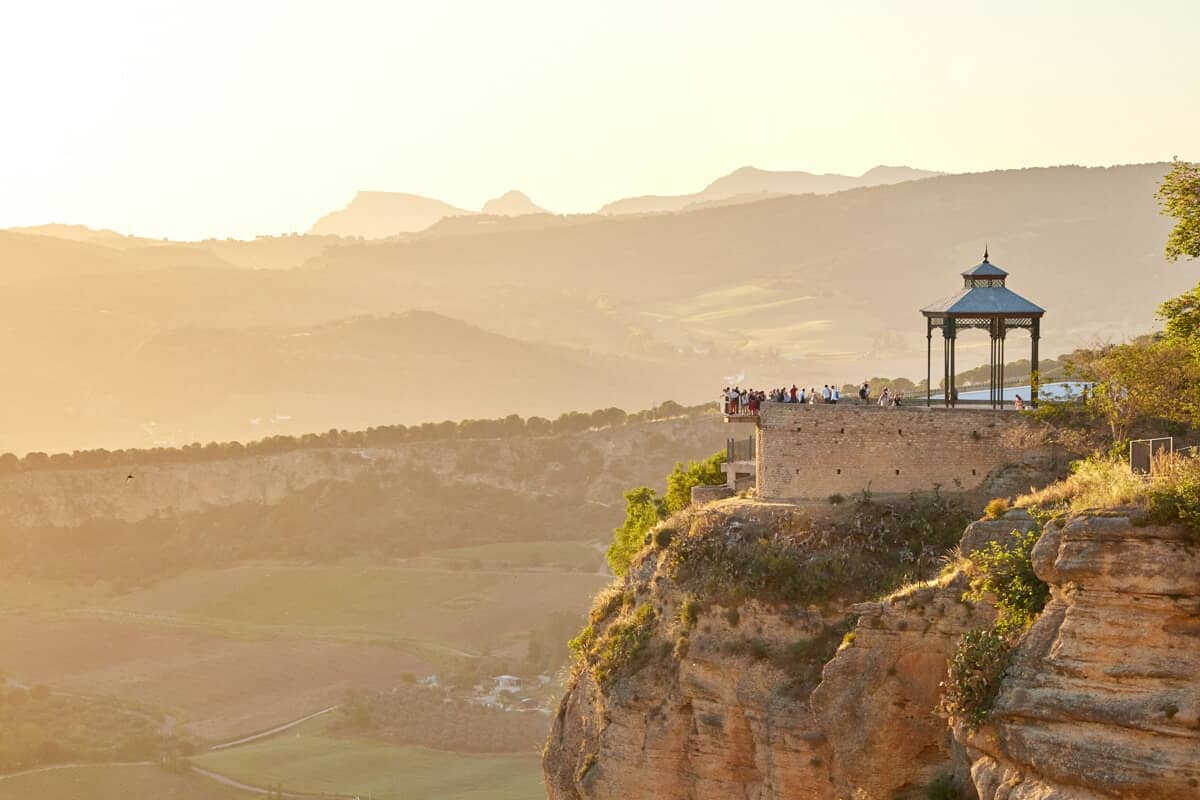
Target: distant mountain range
512,204
121,341
380,215
750,184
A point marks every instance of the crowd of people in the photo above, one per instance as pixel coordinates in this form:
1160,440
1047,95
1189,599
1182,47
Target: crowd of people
739,401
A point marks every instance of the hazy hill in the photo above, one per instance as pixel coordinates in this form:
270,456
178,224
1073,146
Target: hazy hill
127,385
377,215
82,233
809,288
834,281
512,204
749,183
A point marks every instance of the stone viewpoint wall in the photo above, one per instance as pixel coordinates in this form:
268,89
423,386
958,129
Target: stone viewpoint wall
813,451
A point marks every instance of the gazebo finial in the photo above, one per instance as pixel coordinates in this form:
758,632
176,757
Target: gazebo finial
985,253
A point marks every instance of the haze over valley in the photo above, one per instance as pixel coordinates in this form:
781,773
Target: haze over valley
136,342
404,401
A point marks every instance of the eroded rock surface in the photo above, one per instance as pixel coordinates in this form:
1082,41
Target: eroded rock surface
1103,697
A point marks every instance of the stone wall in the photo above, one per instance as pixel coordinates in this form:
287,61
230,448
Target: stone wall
813,451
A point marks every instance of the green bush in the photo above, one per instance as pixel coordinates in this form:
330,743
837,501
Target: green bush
1177,500
697,473
1007,573
643,510
974,676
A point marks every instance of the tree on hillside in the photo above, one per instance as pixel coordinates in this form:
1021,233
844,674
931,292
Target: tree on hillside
1182,317
1179,196
697,473
643,510
1143,379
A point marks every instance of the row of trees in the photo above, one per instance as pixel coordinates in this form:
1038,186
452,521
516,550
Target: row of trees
511,426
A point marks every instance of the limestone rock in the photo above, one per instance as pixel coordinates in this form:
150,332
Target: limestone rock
1103,697
877,698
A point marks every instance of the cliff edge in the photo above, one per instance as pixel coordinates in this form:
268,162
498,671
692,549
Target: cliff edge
743,656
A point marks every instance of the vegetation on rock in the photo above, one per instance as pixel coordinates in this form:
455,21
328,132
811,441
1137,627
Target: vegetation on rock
1005,572
1173,496
617,650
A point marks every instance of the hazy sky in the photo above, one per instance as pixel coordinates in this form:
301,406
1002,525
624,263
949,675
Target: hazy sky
193,119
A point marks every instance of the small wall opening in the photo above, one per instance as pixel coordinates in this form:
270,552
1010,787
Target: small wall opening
897,472
839,472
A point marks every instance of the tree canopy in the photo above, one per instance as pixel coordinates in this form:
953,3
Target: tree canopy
1179,196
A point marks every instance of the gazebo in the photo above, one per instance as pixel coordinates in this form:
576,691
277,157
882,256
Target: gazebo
985,303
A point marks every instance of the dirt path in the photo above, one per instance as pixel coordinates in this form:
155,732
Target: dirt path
272,731
233,783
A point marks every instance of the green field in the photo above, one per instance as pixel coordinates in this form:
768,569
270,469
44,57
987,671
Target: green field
115,783
573,555
451,611
312,760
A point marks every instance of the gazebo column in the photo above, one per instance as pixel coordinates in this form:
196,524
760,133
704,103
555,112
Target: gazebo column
928,361
992,364
996,373
949,334
1034,378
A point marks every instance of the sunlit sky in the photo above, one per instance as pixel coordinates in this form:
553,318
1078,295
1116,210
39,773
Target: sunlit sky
198,119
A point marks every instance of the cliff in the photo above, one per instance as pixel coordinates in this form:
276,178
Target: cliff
1102,699
683,696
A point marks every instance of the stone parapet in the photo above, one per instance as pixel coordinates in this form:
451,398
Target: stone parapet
813,451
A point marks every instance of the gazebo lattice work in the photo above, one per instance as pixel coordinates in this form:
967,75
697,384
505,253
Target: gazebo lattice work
987,304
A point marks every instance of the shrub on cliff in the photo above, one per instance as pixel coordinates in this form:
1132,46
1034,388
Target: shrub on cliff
619,649
974,676
1005,571
1176,498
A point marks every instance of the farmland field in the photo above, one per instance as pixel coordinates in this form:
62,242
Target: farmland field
578,555
114,783
423,610
233,651
312,760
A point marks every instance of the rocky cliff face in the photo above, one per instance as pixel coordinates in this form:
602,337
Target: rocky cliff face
1103,697
592,466
767,700
758,700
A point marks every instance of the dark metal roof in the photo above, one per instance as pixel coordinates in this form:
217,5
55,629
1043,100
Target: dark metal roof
985,269
984,300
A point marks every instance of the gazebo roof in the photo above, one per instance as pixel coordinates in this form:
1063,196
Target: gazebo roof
985,269
984,300
984,295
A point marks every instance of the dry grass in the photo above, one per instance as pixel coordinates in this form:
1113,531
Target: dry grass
1095,483
1108,483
